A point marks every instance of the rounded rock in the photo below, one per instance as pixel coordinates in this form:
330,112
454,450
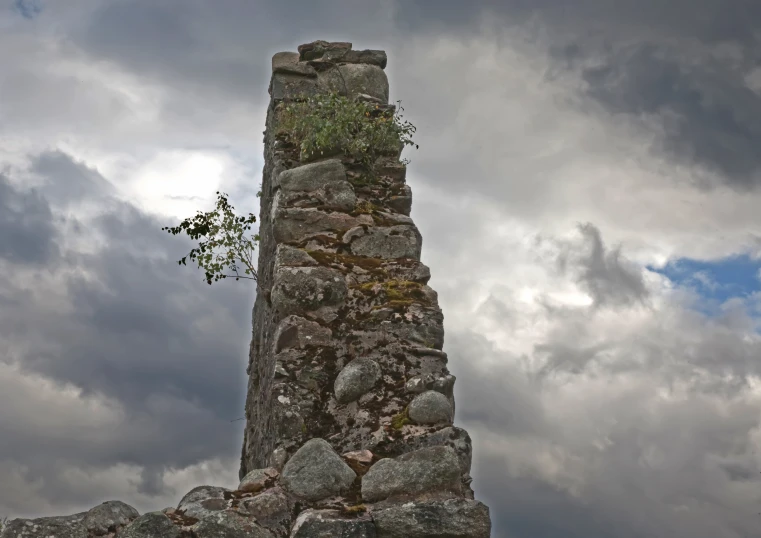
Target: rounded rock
154,524
357,378
258,479
109,516
430,407
316,472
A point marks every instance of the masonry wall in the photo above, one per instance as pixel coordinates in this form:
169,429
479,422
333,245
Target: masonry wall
347,335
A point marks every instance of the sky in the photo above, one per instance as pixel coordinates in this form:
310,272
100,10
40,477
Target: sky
587,185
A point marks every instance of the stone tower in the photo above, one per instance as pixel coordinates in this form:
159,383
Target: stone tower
350,403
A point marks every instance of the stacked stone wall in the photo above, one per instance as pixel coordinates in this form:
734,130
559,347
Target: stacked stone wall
348,335
350,405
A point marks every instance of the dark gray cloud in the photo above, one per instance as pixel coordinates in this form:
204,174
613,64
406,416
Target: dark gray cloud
646,55
552,462
170,350
711,117
706,20
207,49
27,228
605,274
66,180
28,9
519,411
646,58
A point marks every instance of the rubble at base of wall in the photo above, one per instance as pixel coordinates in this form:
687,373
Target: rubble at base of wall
350,406
318,493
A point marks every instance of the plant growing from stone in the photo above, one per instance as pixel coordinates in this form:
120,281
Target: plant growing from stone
331,122
226,244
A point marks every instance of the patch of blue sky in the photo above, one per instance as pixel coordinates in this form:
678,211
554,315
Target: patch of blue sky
715,282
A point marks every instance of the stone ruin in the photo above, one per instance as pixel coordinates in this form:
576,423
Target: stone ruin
350,406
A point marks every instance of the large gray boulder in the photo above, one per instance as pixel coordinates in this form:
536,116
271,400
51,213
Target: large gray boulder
298,332
271,509
428,470
452,518
288,63
316,471
355,379
331,524
391,242
353,79
324,180
289,85
296,223
298,290
42,527
203,501
106,518
431,407
230,525
258,479
151,525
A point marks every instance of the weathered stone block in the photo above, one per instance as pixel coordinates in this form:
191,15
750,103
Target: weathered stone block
288,62
105,518
367,56
42,527
359,460
426,329
353,79
431,407
421,383
295,224
230,525
455,438
287,421
278,458
258,479
428,470
402,241
290,86
271,509
298,332
452,518
150,525
316,472
202,501
334,57
319,48
298,290
401,202
109,516
331,524
311,177
355,379
290,256
324,180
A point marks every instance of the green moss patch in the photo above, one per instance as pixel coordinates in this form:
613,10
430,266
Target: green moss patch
397,292
400,420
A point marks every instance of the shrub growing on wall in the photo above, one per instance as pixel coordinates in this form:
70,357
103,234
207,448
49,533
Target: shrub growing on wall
226,245
331,123
319,125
